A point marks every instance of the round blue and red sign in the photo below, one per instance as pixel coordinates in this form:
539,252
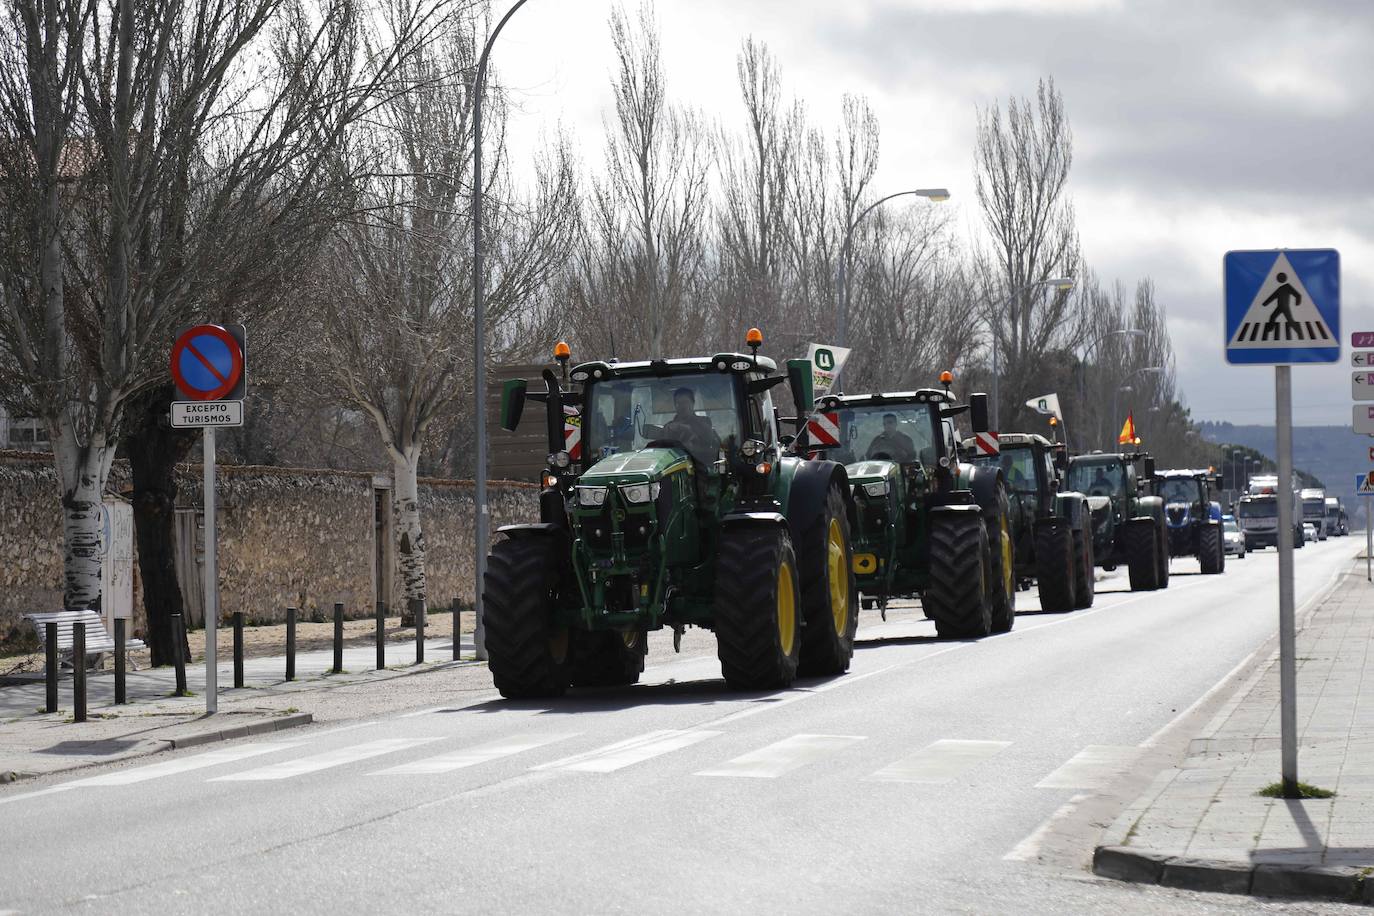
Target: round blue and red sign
207,363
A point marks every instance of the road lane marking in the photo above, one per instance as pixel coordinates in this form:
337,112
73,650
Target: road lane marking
634,750
467,757
185,764
939,762
783,756
316,762
1094,767
1028,850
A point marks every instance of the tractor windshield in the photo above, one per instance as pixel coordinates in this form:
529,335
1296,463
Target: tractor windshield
699,412
1018,468
897,432
1098,479
1179,490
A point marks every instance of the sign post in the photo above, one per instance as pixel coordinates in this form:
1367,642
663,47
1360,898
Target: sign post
208,369
1282,306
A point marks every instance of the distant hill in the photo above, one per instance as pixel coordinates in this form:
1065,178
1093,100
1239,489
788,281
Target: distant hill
1332,454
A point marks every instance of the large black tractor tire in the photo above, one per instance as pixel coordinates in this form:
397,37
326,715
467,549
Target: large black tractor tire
1163,578
1142,554
829,597
1084,570
607,658
1211,552
758,609
1054,568
957,597
1002,573
526,653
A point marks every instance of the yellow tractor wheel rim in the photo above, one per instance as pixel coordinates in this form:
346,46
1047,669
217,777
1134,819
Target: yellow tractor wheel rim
787,609
1008,573
839,577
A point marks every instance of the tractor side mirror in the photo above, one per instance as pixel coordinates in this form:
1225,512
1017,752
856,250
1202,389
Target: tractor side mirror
978,412
512,403
800,381
1149,466
556,419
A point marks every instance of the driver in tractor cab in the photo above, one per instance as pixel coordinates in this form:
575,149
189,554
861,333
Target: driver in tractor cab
1100,486
891,443
695,432
1016,479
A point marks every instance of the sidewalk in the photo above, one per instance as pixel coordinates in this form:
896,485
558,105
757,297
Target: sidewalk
33,743
1202,826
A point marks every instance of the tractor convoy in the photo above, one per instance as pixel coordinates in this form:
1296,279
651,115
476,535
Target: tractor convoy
690,501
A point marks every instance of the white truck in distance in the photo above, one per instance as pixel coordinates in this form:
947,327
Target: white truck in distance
1314,510
1258,513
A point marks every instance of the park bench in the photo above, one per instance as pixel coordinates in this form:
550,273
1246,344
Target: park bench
98,640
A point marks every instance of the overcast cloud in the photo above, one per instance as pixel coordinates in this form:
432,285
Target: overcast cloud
1199,127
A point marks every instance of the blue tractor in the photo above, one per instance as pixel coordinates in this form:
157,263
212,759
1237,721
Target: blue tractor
1192,517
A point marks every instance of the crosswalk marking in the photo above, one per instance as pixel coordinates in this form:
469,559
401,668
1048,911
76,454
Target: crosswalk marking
316,762
471,756
783,756
1094,767
185,764
624,753
939,762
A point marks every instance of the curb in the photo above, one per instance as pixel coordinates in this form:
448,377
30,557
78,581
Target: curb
263,727
1311,882
242,731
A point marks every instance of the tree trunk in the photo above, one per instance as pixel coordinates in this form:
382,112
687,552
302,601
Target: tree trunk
82,469
154,449
410,537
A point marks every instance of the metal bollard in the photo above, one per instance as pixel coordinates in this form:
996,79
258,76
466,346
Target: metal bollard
338,638
238,649
290,644
121,627
50,668
417,610
79,671
381,635
178,655
457,629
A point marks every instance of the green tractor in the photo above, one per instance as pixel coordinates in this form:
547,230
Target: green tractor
1193,516
681,510
929,525
1128,526
1051,526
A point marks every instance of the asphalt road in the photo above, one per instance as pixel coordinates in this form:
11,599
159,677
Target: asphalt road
935,777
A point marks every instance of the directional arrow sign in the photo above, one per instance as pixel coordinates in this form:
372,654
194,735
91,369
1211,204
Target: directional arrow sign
1362,358
1362,385
1363,421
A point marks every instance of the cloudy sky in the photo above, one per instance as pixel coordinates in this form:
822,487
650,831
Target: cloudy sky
1200,126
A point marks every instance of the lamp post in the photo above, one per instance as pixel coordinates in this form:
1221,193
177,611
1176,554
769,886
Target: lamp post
479,338
1235,470
936,195
1145,370
1053,282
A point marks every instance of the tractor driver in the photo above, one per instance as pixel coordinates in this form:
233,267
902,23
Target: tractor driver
891,443
1101,486
694,431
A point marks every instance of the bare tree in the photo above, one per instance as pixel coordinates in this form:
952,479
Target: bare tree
1021,168
395,283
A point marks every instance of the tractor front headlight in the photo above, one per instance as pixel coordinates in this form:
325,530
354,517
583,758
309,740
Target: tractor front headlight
591,496
560,460
876,488
639,493
751,447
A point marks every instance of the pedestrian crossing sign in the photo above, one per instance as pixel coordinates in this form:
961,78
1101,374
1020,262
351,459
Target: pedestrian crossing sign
1283,306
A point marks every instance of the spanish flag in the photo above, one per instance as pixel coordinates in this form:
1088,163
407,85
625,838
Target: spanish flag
1127,436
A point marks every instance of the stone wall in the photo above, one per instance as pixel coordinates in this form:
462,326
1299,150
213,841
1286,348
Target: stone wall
287,537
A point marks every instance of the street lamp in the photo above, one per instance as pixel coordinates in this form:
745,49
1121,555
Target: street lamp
936,195
1235,464
479,342
1145,370
1051,283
